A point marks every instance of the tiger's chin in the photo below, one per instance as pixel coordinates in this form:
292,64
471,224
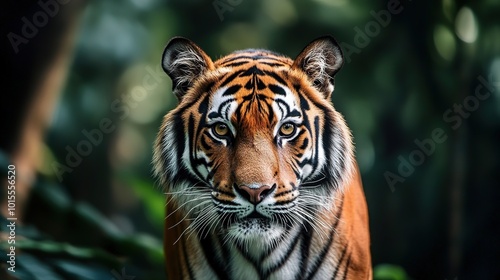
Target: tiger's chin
255,232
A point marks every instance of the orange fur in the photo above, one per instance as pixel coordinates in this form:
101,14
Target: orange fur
339,230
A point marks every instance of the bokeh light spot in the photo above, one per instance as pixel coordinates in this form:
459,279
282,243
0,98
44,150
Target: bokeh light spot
466,25
444,42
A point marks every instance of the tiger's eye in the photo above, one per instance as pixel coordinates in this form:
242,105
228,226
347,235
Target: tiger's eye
221,129
287,129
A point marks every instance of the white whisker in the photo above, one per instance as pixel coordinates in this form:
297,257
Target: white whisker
187,214
189,201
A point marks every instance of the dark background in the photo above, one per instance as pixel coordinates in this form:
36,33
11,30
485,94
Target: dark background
84,97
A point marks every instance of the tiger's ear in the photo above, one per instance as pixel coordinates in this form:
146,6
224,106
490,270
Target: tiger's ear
320,61
184,62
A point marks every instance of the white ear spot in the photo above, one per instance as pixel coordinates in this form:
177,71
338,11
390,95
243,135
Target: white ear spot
320,61
184,62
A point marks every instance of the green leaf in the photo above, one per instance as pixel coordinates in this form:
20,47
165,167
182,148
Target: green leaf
144,245
154,201
389,272
53,248
35,268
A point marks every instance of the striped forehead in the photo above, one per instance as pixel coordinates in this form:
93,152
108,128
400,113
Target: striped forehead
226,101
263,57
252,87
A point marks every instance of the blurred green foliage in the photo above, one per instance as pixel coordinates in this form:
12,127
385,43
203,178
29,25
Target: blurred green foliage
74,241
389,272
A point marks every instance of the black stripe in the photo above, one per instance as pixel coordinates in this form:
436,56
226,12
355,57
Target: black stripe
305,106
274,64
304,143
321,257
260,84
217,265
283,193
183,175
209,87
249,84
304,162
284,259
294,113
264,57
251,71
270,116
276,77
269,250
277,90
197,162
339,263
203,107
297,137
284,104
253,57
234,64
212,172
236,58
223,105
305,249
231,90
194,134
317,132
230,78
214,115
262,97
276,244
178,131
224,247
254,81
347,267
210,176
204,143
304,103
296,170
333,150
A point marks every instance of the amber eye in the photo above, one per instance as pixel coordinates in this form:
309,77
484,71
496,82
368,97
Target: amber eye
220,129
287,129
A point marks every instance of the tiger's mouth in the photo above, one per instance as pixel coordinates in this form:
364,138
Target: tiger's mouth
260,232
256,222
254,218
255,215
253,223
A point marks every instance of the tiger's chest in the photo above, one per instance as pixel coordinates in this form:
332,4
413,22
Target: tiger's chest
290,259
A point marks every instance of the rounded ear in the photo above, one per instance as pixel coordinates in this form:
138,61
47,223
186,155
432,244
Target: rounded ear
320,61
184,61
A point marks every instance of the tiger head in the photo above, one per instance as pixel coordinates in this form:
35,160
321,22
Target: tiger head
255,146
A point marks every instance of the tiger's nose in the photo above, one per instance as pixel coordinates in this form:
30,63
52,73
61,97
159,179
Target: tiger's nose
255,195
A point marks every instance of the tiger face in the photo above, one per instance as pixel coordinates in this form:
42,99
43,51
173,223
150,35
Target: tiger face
255,146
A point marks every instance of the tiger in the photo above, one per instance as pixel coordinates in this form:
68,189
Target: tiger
258,168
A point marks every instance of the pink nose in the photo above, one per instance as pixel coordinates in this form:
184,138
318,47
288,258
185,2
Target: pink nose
255,195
